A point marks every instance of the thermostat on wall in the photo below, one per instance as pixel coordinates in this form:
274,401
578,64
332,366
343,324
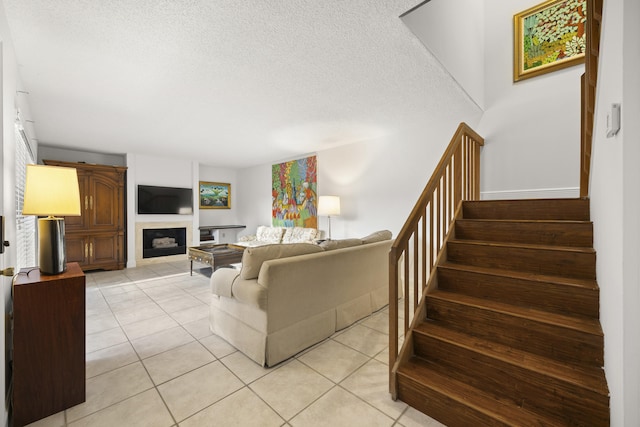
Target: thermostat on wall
613,120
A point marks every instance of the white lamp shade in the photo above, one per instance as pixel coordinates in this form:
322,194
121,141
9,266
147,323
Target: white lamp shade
51,190
329,205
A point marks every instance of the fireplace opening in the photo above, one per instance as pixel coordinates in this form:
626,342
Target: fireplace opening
163,242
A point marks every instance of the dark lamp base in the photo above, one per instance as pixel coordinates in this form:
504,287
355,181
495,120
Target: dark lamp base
53,258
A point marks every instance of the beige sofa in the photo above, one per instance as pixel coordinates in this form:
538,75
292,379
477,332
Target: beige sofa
288,297
272,235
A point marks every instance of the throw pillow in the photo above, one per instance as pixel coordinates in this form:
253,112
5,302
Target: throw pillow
253,258
299,235
269,234
378,236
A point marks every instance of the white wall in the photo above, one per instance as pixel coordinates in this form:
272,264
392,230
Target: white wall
631,212
378,181
170,172
615,207
161,171
219,216
436,22
532,127
8,203
11,101
253,198
47,152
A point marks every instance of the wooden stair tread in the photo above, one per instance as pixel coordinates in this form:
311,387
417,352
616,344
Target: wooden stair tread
535,277
570,209
575,233
527,221
423,372
585,325
575,249
591,378
537,258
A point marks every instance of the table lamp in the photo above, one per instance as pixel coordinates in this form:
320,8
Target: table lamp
51,191
327,206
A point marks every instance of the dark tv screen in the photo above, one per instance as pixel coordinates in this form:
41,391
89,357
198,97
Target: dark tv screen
164,200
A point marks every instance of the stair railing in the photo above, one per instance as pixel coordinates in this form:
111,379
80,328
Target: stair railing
416,248
588,95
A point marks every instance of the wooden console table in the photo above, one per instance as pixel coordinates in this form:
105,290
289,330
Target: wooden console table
48,343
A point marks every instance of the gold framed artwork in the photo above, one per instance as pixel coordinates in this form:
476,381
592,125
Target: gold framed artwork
215,195
549,37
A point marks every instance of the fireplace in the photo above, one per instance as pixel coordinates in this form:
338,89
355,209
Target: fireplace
157,242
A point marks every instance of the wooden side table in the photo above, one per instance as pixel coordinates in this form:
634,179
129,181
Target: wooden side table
48,343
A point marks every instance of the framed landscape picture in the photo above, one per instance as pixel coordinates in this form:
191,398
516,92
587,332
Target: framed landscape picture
215,195
548,37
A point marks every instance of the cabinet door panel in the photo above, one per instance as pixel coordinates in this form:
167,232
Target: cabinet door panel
104,249
77,249
77,223
104,203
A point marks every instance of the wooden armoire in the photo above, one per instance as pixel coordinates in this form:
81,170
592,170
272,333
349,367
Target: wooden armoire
97,238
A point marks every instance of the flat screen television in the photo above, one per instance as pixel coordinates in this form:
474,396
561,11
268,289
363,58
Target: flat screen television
164,200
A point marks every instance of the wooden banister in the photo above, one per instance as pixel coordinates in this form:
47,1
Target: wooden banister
420,241
589,81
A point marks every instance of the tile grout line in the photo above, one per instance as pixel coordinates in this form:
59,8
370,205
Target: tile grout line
190,285
156,386
140,360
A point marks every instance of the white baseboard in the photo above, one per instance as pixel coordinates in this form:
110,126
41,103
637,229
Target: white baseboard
537,193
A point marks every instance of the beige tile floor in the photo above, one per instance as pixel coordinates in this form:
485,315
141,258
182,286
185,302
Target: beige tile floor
152,361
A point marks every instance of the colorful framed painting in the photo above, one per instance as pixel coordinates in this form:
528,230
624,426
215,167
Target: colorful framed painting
215,195
294,193
549,37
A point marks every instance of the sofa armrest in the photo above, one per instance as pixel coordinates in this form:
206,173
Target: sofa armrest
247,238
222,281
226,282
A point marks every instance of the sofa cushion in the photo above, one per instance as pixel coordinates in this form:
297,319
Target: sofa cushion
253,258
328,245
299,235
269,234
378,236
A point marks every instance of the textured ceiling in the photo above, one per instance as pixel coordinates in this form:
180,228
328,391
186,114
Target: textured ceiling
227,82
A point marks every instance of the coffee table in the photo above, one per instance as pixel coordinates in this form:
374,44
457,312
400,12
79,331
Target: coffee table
215,256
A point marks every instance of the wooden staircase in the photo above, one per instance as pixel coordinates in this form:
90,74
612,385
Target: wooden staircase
511,335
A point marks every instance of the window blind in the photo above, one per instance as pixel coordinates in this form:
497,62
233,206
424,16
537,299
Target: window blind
26,225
